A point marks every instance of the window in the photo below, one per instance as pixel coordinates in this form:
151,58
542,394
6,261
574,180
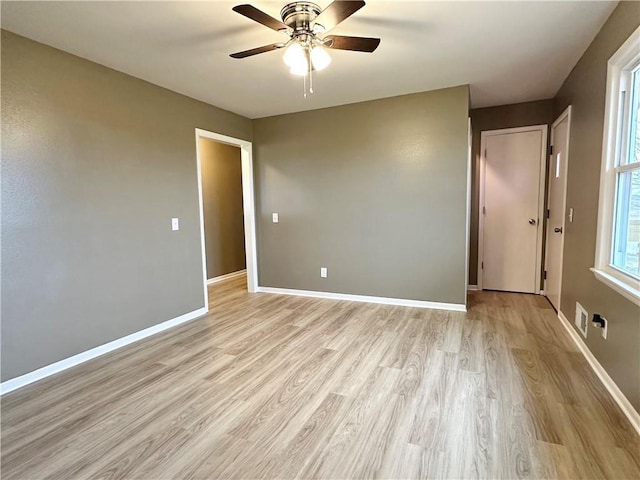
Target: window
626,230
618,245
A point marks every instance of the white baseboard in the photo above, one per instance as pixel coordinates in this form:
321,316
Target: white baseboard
607,381
227,276
458,307
26,379
472,288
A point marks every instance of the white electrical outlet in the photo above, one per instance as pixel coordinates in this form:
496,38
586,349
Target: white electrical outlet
323,272
602,323
175,224
582,319
274,217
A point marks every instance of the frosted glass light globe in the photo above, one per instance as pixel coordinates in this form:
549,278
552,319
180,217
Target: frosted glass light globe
320,58
295,55
300,70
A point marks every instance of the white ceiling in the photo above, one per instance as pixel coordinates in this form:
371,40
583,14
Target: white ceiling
508,51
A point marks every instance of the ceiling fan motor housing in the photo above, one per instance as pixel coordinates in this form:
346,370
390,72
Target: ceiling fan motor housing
299,15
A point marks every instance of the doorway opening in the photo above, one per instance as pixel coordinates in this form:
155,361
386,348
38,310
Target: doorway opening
512,184
233,217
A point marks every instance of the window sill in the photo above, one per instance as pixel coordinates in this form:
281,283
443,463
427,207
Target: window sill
619,286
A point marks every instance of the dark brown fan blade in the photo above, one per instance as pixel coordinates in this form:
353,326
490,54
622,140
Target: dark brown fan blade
337,12
256,51
359,44
259,16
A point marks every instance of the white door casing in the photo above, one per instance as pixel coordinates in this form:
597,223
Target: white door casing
511,207
556,206
468,219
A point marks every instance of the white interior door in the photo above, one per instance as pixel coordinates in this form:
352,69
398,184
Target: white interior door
511,231
556,207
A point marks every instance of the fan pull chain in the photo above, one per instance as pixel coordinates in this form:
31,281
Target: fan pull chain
310,71
304,79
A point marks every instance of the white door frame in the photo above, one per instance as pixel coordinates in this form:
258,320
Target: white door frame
468,214
246,155
541,195
566,114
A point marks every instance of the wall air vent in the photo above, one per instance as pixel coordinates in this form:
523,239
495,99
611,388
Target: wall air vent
582,319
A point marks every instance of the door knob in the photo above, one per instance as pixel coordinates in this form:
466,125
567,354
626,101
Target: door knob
532,221
558,229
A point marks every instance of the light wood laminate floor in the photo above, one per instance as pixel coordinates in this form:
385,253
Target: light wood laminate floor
270,386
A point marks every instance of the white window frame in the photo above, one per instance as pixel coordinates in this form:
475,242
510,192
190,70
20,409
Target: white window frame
616,112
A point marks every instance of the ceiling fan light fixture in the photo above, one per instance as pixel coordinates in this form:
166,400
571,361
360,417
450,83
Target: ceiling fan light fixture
295,56
320,58
300,70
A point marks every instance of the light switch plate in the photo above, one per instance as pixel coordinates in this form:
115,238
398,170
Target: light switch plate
274,217
175,224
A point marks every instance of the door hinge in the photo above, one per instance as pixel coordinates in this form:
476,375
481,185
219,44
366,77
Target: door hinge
485,153
482,265
548,213
484,210
550,149
545,274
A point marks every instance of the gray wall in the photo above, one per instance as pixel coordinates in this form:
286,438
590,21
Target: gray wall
94,165
585,90
375,191
496,118
223,212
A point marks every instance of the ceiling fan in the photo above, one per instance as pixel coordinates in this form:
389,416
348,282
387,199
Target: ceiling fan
306,25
